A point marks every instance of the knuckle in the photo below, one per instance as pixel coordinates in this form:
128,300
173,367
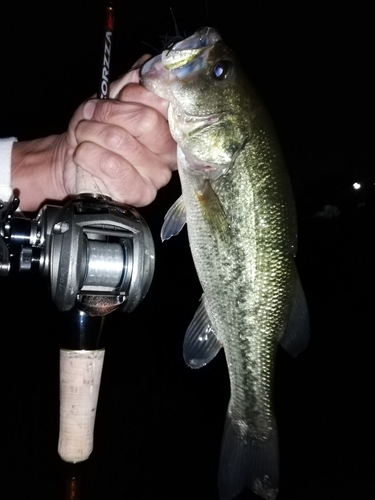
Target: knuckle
167,176
164,176
104,110
148,195
149,121
129,92
113,137
110,164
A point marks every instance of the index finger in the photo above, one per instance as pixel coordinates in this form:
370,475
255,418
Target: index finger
136,93
144,123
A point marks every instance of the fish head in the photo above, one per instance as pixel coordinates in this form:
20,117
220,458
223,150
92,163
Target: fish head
209,100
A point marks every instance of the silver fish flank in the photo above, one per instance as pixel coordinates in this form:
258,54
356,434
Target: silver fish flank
239,209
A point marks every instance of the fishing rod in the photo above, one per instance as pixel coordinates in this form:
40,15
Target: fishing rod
97,256
81,359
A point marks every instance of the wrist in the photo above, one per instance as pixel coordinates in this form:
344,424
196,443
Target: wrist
37,171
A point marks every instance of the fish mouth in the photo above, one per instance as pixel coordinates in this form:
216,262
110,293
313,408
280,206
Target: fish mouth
202,120
152,69
181,59
186,52
182,54
204,37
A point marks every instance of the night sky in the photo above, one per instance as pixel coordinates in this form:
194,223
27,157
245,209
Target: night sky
159,423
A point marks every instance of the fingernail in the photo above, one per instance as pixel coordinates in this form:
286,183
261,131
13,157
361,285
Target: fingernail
88,109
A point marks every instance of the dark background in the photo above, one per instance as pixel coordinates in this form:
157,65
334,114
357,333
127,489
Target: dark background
159,424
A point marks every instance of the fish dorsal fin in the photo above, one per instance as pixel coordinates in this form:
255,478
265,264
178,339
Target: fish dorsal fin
200,344
174,220
297,333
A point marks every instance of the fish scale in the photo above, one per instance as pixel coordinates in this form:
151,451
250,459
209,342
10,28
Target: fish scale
239,209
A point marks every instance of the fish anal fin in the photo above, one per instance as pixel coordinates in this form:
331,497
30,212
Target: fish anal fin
200,344
297,333
174,220
247,461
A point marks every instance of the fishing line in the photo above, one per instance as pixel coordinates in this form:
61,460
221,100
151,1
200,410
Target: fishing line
168,41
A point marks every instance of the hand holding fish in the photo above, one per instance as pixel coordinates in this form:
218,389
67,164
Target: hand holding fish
124,141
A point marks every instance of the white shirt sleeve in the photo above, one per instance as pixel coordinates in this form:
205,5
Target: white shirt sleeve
6,146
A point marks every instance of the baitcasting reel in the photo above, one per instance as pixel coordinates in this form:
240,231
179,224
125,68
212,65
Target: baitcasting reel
96,254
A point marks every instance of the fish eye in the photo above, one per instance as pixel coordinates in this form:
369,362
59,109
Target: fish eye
221,70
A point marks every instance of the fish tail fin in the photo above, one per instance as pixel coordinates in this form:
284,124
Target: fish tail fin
248,462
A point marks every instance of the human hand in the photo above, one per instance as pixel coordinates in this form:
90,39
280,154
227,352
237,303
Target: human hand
123,141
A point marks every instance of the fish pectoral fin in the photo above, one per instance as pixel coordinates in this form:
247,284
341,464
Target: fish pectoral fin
297,333
200,344
174,220
213,211
248,461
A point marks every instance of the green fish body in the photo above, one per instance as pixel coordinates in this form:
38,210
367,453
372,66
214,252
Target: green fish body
239,209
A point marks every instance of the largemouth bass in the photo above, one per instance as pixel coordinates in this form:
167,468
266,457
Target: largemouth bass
239,209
